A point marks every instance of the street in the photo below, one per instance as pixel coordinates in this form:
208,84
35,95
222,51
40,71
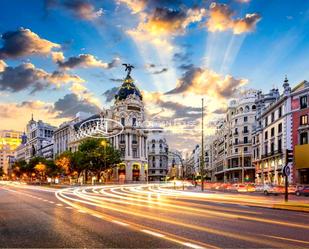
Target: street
138,216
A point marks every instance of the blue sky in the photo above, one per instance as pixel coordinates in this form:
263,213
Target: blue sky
192,49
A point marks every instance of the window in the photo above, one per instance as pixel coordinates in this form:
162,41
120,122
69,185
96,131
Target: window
245,149
236,121
245,140
122,121
133,121
266,121
272,148
266,149
236,150
303,102
236,131
279,145
304,138
236,140
304,120
253,107
245,119
272,131
122,152
280,112
272,117
134,151
280,128
245,129
266,135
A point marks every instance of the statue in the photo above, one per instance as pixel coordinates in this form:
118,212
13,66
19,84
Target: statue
128,68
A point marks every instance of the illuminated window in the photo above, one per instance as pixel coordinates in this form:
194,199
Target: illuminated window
304,120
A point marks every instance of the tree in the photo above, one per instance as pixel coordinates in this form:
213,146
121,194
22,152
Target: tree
99,155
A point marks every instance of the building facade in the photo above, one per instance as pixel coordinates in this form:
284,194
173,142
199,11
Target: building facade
130,137
157,155
9,141
300,132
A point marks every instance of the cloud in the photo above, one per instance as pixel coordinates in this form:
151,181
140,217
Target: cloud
24,42
164,21
2,65
27,76
83,60
135,5
15,115
182,56
70,104
203,81
81,9
110,94
116,80
221,19
163,70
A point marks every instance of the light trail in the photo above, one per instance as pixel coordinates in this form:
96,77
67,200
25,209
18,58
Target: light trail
84,197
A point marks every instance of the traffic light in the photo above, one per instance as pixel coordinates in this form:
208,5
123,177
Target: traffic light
289,156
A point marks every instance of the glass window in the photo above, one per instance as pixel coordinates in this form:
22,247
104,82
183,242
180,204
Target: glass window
280,111
266,135
245,119
304,120
133,121
280,128
304,138
122,121
272,117
272,131
303,102
245,140
279,145
266,121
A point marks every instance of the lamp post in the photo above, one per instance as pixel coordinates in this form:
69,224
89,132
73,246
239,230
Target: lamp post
202,158
104,143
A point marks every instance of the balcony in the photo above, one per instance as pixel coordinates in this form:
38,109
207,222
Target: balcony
272,153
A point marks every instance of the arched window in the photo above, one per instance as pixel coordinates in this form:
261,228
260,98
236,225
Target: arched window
241,110
122,121
247,108
253,107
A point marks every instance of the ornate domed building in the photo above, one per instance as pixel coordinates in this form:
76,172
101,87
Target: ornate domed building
128,109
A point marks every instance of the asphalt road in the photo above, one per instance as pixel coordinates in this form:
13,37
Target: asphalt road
140,216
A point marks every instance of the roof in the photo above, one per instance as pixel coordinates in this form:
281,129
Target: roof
128,88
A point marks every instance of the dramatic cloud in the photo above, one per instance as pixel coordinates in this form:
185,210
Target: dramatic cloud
82,60
163,21
221,19
110,94
16,115
80,8
135,5
2,66
27,76
70,104
203,81
24,42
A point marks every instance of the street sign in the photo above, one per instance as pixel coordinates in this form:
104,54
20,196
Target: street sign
286,170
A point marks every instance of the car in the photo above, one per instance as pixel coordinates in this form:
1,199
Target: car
273,189
302,190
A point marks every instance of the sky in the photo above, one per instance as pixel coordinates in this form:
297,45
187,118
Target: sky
58,57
